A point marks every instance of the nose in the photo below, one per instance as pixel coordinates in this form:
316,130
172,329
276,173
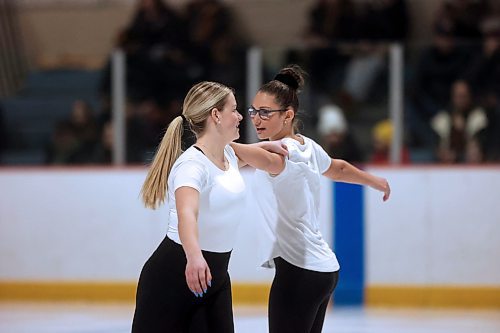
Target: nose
256,120
240,116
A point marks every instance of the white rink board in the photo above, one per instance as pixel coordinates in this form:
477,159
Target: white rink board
440,227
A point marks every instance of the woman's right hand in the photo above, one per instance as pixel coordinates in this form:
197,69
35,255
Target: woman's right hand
198,276
275,146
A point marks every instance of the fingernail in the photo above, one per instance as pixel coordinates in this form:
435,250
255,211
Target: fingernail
210,283
201,295
204,291
196,294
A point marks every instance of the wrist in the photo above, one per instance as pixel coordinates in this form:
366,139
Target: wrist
193,253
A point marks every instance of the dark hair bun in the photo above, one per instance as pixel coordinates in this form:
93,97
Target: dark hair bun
288,80
292,76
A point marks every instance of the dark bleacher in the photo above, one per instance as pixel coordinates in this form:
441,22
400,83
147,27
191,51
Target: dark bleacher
31,115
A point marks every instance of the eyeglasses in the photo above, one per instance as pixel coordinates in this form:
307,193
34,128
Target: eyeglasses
264,114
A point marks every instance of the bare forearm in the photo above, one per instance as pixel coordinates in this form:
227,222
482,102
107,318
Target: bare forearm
345,172
188,233
258,157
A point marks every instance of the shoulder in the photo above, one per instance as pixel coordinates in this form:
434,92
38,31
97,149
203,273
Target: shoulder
189,161
311,144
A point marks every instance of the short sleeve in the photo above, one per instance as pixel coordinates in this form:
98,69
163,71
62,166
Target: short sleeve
323,159
190,173
231,155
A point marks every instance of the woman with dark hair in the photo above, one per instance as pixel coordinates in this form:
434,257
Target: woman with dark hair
306,267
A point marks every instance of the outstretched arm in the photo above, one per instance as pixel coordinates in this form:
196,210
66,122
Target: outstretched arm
342,171
261,158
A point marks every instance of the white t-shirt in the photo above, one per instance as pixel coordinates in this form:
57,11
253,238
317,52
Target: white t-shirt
222,198
290,205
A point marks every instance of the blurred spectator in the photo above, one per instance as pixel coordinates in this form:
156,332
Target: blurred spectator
492,136
154,43
362,71
329,23
74,140
3,133
437,68
484,78
85,126
158,65
465,15
460,128
344,20
381,21
385,20
484,73
103,152
145,125
63,146
335,136
346,37
215,44
159,70
207,22
382,134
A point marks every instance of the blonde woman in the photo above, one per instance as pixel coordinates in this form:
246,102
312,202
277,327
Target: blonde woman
187,274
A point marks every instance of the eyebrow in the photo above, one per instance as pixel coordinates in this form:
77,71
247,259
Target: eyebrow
261,108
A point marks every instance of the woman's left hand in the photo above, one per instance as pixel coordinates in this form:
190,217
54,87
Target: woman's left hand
386,189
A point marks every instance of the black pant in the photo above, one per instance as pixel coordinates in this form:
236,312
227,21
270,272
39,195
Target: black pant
164,302
299,298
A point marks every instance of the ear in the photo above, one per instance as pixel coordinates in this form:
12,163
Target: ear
215,115
289,114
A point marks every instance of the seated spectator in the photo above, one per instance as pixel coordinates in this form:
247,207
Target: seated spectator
484,78
381,22
385,20
460,128
3,133
103,152
63,147
382,134
465,15
215,43
335,136
85,126
74,139
438,67
347,39
330,22
156,60
484,73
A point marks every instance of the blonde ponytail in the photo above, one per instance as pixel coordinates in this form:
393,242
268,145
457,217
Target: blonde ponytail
154,189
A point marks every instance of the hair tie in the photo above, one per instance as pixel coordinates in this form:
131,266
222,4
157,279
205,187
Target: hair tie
287,79
184,118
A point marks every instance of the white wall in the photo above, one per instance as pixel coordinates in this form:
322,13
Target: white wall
75,225
441,226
